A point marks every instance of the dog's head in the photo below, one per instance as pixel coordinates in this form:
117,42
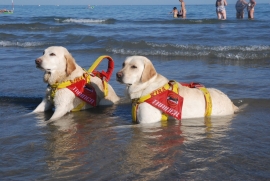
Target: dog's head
56,59
136,70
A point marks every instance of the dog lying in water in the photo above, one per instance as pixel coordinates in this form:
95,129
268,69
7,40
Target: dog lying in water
142,81
62,71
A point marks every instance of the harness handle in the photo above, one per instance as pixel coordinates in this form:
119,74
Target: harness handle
192,84
103,75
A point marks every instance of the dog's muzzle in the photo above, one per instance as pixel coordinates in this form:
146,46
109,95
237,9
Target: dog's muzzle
119,76
38,63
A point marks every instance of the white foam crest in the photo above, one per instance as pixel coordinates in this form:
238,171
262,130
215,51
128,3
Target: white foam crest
196,21
208,48
157,45
19,44
158,52
71,20
239,48
223,48
255,48
242,56
202,53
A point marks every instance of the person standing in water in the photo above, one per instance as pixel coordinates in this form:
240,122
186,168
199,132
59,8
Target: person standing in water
220,9
182,11
250,9
240,7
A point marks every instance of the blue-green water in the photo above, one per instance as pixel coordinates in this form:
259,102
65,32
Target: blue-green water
103,144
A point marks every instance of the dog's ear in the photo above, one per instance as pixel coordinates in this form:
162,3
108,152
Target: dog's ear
70,63
148,72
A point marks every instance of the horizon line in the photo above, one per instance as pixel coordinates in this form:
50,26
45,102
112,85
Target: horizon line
107,4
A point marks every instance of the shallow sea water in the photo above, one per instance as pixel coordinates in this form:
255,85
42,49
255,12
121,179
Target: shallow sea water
103,143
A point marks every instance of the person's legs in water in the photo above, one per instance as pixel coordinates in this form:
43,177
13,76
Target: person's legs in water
251,13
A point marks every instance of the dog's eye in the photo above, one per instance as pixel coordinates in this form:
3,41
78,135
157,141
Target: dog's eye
52,54
133,67
43,53
123,64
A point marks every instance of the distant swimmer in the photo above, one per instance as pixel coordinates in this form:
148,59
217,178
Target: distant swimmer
90,7
220,9
250,8
240,7
175,12
2,10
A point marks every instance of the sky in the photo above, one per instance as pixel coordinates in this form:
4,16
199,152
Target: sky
113,2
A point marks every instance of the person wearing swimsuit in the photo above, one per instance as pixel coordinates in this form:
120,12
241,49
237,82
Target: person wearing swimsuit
220,9
175,12
250,9
183,11
240,6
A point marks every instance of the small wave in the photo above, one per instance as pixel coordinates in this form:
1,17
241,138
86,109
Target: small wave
30,26
7,35
20,44
8,102
181,21
71,20
226,52
19,99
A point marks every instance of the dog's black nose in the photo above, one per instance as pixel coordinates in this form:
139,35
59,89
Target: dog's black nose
38,61
119,74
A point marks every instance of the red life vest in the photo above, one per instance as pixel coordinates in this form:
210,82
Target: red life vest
165,99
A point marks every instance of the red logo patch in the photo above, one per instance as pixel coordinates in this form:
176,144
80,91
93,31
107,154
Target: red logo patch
168,102
84,91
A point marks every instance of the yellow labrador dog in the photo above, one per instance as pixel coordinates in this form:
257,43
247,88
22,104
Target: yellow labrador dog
141,79
61,69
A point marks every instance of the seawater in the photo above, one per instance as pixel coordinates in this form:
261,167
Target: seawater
102,143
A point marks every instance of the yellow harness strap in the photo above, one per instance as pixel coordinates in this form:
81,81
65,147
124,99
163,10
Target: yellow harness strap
105,87
85,76
97,62
67,83
94,66
64,84
208,101
135,102
174,86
